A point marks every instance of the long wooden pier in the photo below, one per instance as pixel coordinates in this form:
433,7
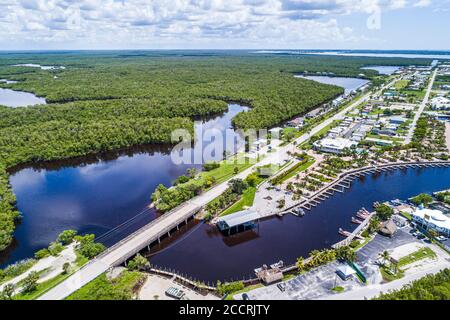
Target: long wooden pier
343,182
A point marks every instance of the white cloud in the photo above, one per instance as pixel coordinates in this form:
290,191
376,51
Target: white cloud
423,3
181,23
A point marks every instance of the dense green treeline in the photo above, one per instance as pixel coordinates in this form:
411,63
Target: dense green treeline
82,111
274,95
103,101
265,82
431,287
61,139
8,213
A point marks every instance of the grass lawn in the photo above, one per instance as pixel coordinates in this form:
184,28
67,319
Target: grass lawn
53,282
24,267
415,93
226,169
401,84
335,123
388,276
246,201
102,288
338,289
406,215
42,288
376,136
421,254
246,289
362,244
294,131
298,170
224,172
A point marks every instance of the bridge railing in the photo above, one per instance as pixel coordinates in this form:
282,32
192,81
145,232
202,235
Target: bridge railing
148,226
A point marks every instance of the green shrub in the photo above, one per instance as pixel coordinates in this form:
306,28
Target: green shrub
211,166
138,263
88,247
354,244
55,248
43,253
30,282
423,198
229,287
66,237
16,269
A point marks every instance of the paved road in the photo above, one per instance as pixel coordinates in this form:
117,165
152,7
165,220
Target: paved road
97,266
421,109
372,291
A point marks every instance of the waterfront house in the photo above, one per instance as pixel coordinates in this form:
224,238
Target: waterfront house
269,276
388,228
297,122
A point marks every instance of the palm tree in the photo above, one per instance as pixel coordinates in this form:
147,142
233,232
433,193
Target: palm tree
8,292
290,187
300,264
385,256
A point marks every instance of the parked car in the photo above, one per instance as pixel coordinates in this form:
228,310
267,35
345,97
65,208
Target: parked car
175,293
245,296
281,286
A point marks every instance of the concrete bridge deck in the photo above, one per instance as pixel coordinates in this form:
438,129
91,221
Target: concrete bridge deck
143,237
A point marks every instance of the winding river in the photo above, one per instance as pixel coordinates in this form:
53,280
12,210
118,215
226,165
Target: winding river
95,194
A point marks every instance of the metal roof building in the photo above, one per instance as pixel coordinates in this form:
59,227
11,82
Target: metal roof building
245,218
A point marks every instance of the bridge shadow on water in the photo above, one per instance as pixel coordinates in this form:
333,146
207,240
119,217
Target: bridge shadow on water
205,254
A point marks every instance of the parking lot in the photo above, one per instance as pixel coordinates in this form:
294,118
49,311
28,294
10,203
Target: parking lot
308,286
319,282
155,289
369,254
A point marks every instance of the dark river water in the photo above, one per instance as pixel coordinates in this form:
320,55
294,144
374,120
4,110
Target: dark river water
206,255
95,194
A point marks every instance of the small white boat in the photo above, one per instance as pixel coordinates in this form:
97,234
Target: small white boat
279,264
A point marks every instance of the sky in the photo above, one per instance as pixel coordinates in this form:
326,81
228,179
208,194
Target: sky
224,24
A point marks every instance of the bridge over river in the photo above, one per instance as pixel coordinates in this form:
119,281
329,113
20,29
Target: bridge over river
163,225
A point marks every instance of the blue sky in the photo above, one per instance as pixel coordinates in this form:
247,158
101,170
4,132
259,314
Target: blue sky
225,24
